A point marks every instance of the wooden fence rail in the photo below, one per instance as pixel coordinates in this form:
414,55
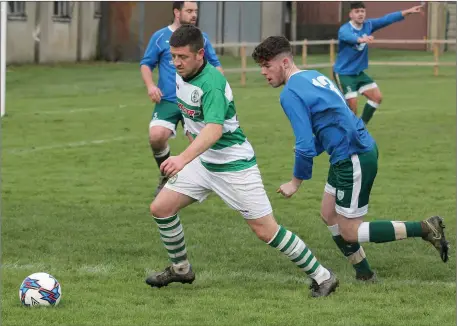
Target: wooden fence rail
435,45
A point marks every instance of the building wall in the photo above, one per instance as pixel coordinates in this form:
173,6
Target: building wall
58,40
272,24
20,45
89,29
318,21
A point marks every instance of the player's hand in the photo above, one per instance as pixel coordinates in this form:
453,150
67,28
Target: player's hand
288,189
414,10
155,94
366,39
369,39
172,166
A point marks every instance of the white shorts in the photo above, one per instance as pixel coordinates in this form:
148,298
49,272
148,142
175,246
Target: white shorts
240,190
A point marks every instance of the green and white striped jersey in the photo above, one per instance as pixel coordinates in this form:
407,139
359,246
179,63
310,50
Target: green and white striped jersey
207,98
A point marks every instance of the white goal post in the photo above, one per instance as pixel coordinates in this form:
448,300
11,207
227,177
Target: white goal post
3,20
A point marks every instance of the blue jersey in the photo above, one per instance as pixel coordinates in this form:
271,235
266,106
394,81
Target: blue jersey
352,57
321,121
158,53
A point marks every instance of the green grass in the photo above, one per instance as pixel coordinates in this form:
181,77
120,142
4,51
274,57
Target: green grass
78,176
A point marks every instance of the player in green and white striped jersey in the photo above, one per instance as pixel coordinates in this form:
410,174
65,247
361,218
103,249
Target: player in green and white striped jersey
220,159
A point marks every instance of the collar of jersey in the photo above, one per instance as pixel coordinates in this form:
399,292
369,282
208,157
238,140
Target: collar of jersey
357,29
188,79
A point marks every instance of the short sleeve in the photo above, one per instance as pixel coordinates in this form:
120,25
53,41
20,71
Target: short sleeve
215,106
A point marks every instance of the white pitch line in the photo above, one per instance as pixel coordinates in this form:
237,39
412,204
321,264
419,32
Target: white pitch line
28,150
76,110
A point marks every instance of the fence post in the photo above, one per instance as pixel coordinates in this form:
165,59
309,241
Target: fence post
304,52
332,51
243,64
436,56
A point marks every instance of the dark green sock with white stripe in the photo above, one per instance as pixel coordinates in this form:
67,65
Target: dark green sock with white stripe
368,111
172,235
352,251
387,231
294,248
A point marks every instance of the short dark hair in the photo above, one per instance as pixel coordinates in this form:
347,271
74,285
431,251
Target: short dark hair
178,5
270,48
187,35
357,5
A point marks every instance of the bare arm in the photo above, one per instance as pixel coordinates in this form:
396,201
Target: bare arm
146,73
153,91
209,135
220,69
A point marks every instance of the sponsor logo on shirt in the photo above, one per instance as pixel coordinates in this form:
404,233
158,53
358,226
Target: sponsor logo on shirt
189,112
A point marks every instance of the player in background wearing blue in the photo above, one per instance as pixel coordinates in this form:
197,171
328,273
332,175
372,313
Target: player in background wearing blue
167,115
322,121
352,56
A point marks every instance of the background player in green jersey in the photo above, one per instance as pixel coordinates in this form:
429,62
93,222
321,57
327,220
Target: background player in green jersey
221,160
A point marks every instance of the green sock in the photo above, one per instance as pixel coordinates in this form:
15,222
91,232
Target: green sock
172,236
386,231
295,249
352,251
368,111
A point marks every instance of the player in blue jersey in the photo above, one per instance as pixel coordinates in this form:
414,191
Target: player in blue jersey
167,115
322,121
352,57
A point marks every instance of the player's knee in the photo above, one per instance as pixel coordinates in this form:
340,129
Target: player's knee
264,235
158,137
348,232
265,228
161,211
352,103
378,98
375,96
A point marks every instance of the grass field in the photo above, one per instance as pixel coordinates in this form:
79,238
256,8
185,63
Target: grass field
78,177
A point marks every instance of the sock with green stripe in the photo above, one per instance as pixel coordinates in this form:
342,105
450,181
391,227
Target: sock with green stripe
295,249
352,251
387,231
368,111
172,236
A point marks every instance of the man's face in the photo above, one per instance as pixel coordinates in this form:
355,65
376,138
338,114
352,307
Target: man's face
186,62
188,14
274,71
358,15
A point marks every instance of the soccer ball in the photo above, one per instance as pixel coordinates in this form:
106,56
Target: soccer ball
40,289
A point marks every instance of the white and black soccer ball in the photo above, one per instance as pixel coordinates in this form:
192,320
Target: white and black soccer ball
40,289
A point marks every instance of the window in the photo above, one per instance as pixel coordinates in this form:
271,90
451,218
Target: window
16,10
62,11
97,9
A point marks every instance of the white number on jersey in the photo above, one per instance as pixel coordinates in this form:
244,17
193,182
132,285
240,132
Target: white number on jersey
323,81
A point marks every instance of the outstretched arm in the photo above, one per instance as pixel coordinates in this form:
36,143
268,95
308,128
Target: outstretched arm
394,17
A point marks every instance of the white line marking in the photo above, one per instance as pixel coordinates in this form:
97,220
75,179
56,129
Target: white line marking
28,150
75,110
